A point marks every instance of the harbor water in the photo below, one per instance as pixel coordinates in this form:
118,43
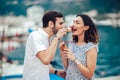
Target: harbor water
108,61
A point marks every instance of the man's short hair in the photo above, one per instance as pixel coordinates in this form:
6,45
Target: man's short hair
50,16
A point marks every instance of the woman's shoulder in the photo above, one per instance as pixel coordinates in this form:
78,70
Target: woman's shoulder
91,45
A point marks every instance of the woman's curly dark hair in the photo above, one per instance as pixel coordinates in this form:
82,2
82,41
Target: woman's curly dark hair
91,35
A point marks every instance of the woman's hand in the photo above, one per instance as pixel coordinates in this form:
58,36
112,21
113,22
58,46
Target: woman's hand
62,46
67,54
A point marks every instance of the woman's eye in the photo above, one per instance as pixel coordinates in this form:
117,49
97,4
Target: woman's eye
77,23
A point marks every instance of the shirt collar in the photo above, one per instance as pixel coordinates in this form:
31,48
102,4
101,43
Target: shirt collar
43,32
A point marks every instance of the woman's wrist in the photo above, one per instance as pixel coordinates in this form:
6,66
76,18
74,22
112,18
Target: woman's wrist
74,59
77,61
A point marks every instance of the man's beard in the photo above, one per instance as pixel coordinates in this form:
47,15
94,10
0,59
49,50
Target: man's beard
54,30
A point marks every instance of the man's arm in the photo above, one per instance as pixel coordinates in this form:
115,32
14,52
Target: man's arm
47,55
60,73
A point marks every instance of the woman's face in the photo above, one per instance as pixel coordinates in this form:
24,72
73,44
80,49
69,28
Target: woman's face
78,27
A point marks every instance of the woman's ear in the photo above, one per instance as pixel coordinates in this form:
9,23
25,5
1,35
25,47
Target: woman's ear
50,23
86,27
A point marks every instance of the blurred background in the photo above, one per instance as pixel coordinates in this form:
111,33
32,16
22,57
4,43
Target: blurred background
20,17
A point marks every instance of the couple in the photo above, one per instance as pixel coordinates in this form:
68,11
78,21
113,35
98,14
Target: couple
79,58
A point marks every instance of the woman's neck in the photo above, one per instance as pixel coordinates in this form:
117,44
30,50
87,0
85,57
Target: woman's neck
81,40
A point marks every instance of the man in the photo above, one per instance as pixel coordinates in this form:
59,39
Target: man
40,51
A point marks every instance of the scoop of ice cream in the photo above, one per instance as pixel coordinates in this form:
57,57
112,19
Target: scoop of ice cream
68,29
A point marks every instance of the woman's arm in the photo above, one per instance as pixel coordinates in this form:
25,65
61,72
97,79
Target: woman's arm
88,70
62,46
64,60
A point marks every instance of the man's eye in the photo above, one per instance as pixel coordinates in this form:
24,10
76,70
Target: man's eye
61,23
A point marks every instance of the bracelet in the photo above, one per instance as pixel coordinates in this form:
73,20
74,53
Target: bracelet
57,37
74,59
55,72
77,61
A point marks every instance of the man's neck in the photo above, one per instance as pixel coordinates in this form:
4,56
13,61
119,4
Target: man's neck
48,31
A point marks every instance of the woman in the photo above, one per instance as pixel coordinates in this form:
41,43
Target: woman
80,57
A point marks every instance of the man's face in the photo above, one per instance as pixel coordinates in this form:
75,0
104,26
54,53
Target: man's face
58,25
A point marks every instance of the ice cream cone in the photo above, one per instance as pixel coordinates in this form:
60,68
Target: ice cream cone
63,47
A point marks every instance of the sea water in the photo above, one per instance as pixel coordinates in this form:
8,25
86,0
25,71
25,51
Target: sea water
108,60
